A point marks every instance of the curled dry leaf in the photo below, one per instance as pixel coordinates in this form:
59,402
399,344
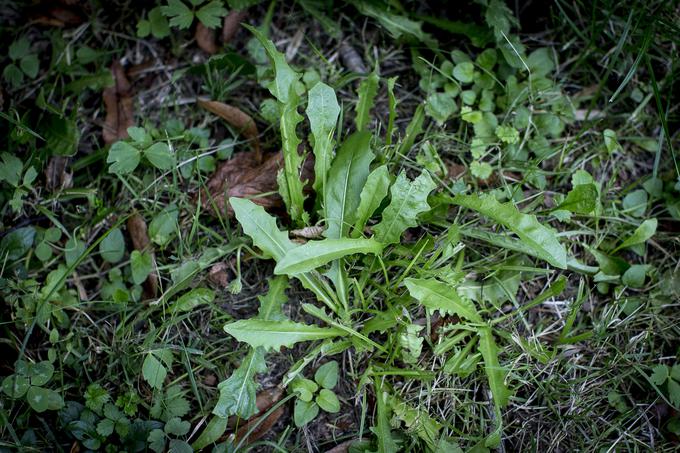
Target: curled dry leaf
219,275
242,177
261,424
139,236
238,119
56,176
205,38
351,58
119,106
231,24
57,14
310,232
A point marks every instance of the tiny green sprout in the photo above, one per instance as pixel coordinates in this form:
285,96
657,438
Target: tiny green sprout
312,395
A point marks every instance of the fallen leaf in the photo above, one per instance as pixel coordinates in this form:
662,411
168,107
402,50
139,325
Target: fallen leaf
54,14
351,59
310,232
455,170
137,229
264,400
242,177
205,38
218,275
231,24
342,448
238,119
119,106
56,176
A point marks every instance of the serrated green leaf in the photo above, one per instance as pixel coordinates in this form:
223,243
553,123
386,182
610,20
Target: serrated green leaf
436,295
292,190
238,393
366,93
194,298
645,231
271,303
496,378
153,371
346,178
274,334
411,344
374,192
283,85
314,254
180,15
160,156
261,228
176,426
542,240
396,25
322,111
409,198
156,440
123,158
659,374
211,14
582,199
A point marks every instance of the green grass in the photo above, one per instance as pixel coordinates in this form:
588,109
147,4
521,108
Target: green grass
464,324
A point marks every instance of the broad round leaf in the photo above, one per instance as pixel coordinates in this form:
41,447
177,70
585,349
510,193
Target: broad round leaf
328,401
112,247
15,386
304,412
41,373
327,375
123,158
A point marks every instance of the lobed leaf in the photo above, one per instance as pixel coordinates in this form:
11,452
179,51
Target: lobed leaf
323,111
274,334
436,295
372,195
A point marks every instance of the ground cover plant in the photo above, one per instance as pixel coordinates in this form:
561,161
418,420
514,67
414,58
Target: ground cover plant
355,226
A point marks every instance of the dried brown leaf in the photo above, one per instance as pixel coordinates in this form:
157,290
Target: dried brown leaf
119,106
238,119
342,448
351,59
232,24
137,229
310,232
56,176
55,15
242,177
265,399
205,38
261,424
218,275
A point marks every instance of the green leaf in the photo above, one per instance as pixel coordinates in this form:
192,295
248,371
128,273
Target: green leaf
494,373
409,198
507,134
179,446
540,62
635,203
177,427
95,397
386,443
659,374
156,440
322,111
180,15
582,199
211,13
314,254
641,234
372,195
328,401
163,227
153,371
635,275
211,434
480,170
160,28
417,421
19,48
160,156
194,298
10,169
261,228
15,386
73,250
141,265
396,25
441,106
271,303
541,239
38,398
30,65
274,334
282,87
436,295
464,72
327,374
304,388
347,175
112,247
62,135
292,188
41,373
411,344
239,392
610,141
13,75
304,412
123,158
366,93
